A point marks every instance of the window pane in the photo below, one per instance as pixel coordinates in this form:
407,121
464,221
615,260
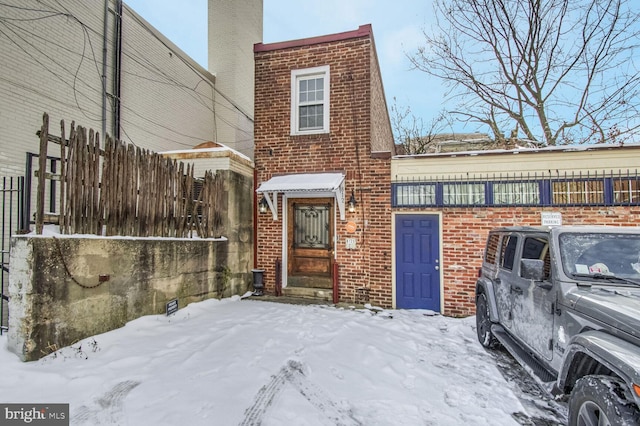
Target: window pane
509,252
311,117
516,193
311,226
311,90
303,121
578,192
626,191
538,248
318,116
463,194
416,195
492,248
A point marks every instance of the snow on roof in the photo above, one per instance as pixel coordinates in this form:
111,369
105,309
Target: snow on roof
219,148
522,150
320,182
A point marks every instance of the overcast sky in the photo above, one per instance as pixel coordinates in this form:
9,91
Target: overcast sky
397,30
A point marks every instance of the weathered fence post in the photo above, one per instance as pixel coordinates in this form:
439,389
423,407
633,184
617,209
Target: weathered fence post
42,168
125,190
63,174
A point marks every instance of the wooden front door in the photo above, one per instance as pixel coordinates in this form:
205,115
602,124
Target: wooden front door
310,242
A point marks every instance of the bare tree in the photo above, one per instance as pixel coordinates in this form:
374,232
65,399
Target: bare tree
553,71
410,131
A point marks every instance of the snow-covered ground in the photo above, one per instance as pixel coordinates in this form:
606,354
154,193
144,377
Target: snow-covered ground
245,362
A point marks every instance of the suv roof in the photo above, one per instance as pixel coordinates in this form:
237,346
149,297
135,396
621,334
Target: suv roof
522,229
570,228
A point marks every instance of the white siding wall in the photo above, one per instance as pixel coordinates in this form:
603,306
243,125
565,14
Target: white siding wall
579,159
231,60
167,99
43,69
51,61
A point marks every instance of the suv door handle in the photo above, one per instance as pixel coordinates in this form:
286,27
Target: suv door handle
517,290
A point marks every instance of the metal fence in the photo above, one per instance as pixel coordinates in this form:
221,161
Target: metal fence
595,188
11,190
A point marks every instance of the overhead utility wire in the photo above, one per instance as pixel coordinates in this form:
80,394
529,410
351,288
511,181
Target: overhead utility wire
148,67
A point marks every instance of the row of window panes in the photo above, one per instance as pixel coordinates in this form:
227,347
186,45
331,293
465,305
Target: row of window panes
311,103
311,90
564,192
311,117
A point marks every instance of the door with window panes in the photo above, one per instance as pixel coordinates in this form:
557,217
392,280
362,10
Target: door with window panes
310,242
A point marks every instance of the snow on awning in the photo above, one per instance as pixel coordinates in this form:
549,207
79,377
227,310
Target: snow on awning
304,185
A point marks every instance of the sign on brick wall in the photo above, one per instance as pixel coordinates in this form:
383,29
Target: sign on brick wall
551,218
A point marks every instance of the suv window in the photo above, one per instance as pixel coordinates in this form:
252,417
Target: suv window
509,245
538,248
601,253
492,248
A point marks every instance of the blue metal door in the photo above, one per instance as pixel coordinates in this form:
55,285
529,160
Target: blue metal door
417,262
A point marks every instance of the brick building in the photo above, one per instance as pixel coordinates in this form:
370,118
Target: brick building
416,237
323,138
463,195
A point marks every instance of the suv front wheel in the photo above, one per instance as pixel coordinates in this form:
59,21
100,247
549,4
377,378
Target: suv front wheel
601,400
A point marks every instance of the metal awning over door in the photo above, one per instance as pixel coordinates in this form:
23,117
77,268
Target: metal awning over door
304,185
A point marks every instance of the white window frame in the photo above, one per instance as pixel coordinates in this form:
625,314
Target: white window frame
516,193
463,194
416,194
296,76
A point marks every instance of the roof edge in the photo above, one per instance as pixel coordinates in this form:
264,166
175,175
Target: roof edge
169,44
523,150
362,31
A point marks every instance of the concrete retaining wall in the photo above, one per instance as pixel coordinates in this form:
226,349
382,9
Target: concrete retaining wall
66,288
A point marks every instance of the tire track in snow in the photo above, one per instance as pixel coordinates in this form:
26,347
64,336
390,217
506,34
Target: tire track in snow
106,410
292,373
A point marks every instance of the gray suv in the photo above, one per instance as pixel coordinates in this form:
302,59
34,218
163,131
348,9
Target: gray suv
565,302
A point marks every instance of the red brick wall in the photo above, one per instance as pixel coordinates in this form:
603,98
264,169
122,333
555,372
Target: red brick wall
347,149
381,132
464,232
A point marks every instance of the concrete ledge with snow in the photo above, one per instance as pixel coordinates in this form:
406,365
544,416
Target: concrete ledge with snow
65,288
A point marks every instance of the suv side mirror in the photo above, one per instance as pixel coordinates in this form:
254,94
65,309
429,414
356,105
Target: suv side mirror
532,269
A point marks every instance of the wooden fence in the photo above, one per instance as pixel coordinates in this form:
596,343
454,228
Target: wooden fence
121,189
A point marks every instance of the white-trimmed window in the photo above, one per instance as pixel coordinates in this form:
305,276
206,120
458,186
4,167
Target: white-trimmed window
516,193
310,100
416,194
460,193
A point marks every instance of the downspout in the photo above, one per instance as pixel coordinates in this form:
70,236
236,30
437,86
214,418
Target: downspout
255,218
117,71
336,283
104,67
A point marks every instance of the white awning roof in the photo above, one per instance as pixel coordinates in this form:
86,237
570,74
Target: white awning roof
325,182
304,185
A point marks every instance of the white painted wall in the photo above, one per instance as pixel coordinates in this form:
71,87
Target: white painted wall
231,61
566,159
51,61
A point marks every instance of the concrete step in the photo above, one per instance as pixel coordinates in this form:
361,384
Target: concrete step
308,293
